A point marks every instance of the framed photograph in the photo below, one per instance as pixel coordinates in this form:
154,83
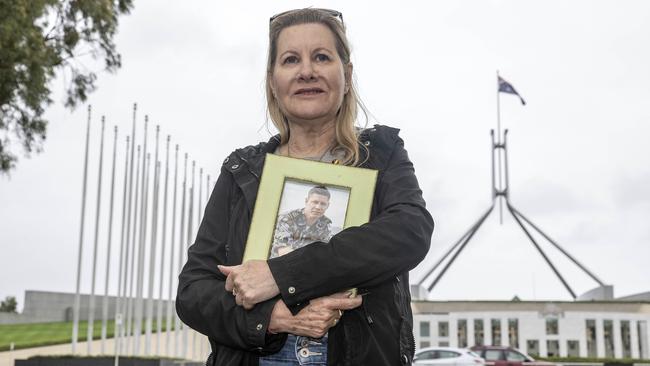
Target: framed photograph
301,201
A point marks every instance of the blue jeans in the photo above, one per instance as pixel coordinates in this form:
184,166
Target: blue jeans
299,351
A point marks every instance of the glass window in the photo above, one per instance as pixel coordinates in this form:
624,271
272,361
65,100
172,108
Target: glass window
496,332
447,354
443,344
478,332
515,356
426,355
552,348
573,348
493,355
532,347
591,338
424,329
551,326
462,333
513,332
443,329
608,334
626,339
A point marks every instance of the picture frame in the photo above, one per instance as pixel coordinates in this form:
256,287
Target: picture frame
282,175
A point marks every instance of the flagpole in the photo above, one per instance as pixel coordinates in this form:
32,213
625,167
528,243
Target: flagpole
152,249
129,309
77,297
181,240
162,253
125,328
91,300
499,197
171,258
190,228
139,305
108,250
144,192
118,304
200,202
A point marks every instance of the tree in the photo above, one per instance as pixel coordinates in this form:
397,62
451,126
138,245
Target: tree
37,39
8,305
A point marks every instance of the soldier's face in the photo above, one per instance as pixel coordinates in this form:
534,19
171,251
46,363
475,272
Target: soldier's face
316,205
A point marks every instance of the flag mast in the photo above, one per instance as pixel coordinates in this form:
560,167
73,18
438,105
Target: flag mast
495,147
77,297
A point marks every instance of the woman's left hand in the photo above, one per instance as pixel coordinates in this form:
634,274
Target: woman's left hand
251,282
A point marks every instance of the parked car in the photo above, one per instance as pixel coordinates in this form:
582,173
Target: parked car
447,356
507,356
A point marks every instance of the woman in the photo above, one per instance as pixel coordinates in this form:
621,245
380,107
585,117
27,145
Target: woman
249,310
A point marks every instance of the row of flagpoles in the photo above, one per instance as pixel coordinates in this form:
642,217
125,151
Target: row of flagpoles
145,225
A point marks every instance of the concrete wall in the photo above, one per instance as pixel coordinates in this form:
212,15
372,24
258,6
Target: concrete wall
44,306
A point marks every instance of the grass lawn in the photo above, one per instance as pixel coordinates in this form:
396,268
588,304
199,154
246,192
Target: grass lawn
44,334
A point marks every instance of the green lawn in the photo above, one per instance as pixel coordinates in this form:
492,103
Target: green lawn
43,334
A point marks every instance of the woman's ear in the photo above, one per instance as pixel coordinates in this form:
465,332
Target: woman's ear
272,89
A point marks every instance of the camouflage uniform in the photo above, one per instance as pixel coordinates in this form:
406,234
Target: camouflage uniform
292,231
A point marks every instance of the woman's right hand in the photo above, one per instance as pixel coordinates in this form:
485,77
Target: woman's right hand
315,319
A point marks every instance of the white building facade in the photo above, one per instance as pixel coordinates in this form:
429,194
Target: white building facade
564,329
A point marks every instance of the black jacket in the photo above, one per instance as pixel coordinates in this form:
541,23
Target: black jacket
374,257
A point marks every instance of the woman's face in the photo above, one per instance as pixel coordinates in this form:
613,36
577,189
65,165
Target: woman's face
309,79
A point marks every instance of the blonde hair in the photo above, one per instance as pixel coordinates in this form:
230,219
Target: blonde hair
346,132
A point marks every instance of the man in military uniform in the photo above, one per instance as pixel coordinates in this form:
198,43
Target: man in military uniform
303,226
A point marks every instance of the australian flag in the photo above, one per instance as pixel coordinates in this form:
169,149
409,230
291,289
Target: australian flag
506,87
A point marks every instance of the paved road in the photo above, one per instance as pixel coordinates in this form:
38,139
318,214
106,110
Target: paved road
198,352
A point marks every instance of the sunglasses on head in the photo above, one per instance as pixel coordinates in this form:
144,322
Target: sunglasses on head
330,12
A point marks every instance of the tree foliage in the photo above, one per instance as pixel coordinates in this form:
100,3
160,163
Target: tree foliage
37,39
8,305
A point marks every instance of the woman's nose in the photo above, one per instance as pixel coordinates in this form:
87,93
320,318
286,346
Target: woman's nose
307,72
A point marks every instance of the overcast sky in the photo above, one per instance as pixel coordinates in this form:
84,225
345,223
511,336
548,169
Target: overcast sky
578,150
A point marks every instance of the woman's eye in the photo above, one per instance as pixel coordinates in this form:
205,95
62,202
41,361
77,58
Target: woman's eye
321,57
290,60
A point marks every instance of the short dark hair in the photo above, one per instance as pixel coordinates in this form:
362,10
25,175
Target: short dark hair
320,190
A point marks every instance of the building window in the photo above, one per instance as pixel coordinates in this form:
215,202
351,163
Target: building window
496,332
425,344
478,332
626,340
552,348
532,347
642,331
608,334
513,332
552,326
424,329
443,329
573,348
443,344
462,333
591,338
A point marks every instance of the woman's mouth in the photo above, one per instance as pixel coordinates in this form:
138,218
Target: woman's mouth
309,91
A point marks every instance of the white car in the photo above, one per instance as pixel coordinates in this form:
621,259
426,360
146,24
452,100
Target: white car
447,356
